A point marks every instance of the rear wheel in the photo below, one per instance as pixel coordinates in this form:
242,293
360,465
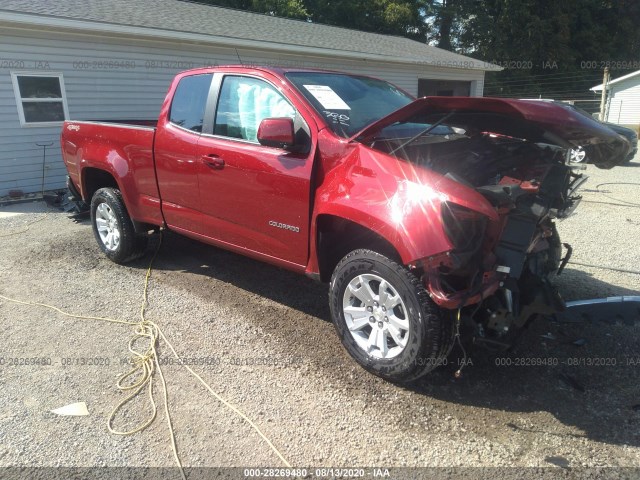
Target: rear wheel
113,228
385,318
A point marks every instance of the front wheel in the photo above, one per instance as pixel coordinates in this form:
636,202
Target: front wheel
113,228
385,318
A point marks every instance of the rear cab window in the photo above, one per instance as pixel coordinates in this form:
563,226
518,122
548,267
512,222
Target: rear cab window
189,102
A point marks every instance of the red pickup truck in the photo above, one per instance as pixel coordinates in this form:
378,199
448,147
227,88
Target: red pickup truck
429,218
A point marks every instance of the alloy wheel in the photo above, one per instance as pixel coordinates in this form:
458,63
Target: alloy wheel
376,316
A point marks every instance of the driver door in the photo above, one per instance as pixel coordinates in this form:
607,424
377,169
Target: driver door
254,197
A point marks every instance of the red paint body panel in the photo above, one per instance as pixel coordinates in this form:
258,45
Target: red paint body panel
398,200
253,188
278,131
125,152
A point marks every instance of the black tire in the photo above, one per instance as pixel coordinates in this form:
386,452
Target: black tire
131,246
431,329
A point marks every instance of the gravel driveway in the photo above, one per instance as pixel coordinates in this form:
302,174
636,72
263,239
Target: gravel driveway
262,338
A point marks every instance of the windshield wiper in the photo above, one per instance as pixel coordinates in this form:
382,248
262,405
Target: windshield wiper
423,132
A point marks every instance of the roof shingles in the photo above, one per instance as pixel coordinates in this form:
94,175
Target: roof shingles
183,16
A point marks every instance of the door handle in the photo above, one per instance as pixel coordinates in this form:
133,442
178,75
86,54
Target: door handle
213,161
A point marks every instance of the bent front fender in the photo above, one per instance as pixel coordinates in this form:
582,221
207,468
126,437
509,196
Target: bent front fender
397,200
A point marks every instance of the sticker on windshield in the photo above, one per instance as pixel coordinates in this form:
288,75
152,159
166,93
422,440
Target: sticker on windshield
340,118
327,97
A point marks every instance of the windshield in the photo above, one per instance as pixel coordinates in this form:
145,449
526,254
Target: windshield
348,102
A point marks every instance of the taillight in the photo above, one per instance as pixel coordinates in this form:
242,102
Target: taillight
464,227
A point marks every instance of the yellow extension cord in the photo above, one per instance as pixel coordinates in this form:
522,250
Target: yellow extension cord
145,364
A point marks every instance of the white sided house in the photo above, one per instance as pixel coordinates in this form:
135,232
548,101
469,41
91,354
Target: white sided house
623,100
114,60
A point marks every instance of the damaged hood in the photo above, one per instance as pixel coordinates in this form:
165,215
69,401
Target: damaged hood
539,122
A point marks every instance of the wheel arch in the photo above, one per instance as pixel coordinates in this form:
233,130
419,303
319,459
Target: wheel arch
337,236
93,179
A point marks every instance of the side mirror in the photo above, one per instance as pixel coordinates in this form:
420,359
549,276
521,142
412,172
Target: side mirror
276,132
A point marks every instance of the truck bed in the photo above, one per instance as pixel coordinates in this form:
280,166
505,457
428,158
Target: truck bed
124,148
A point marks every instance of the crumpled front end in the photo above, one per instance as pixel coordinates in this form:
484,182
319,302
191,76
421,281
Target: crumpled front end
499,175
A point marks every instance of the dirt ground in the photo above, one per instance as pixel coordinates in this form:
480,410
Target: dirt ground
262,338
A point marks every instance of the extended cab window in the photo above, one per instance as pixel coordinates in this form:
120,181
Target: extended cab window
243,103
189,101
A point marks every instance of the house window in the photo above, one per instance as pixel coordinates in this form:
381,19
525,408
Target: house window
40,97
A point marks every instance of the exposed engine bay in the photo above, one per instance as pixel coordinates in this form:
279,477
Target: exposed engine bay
530,185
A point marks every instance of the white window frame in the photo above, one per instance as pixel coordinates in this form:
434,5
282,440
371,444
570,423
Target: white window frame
19,99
